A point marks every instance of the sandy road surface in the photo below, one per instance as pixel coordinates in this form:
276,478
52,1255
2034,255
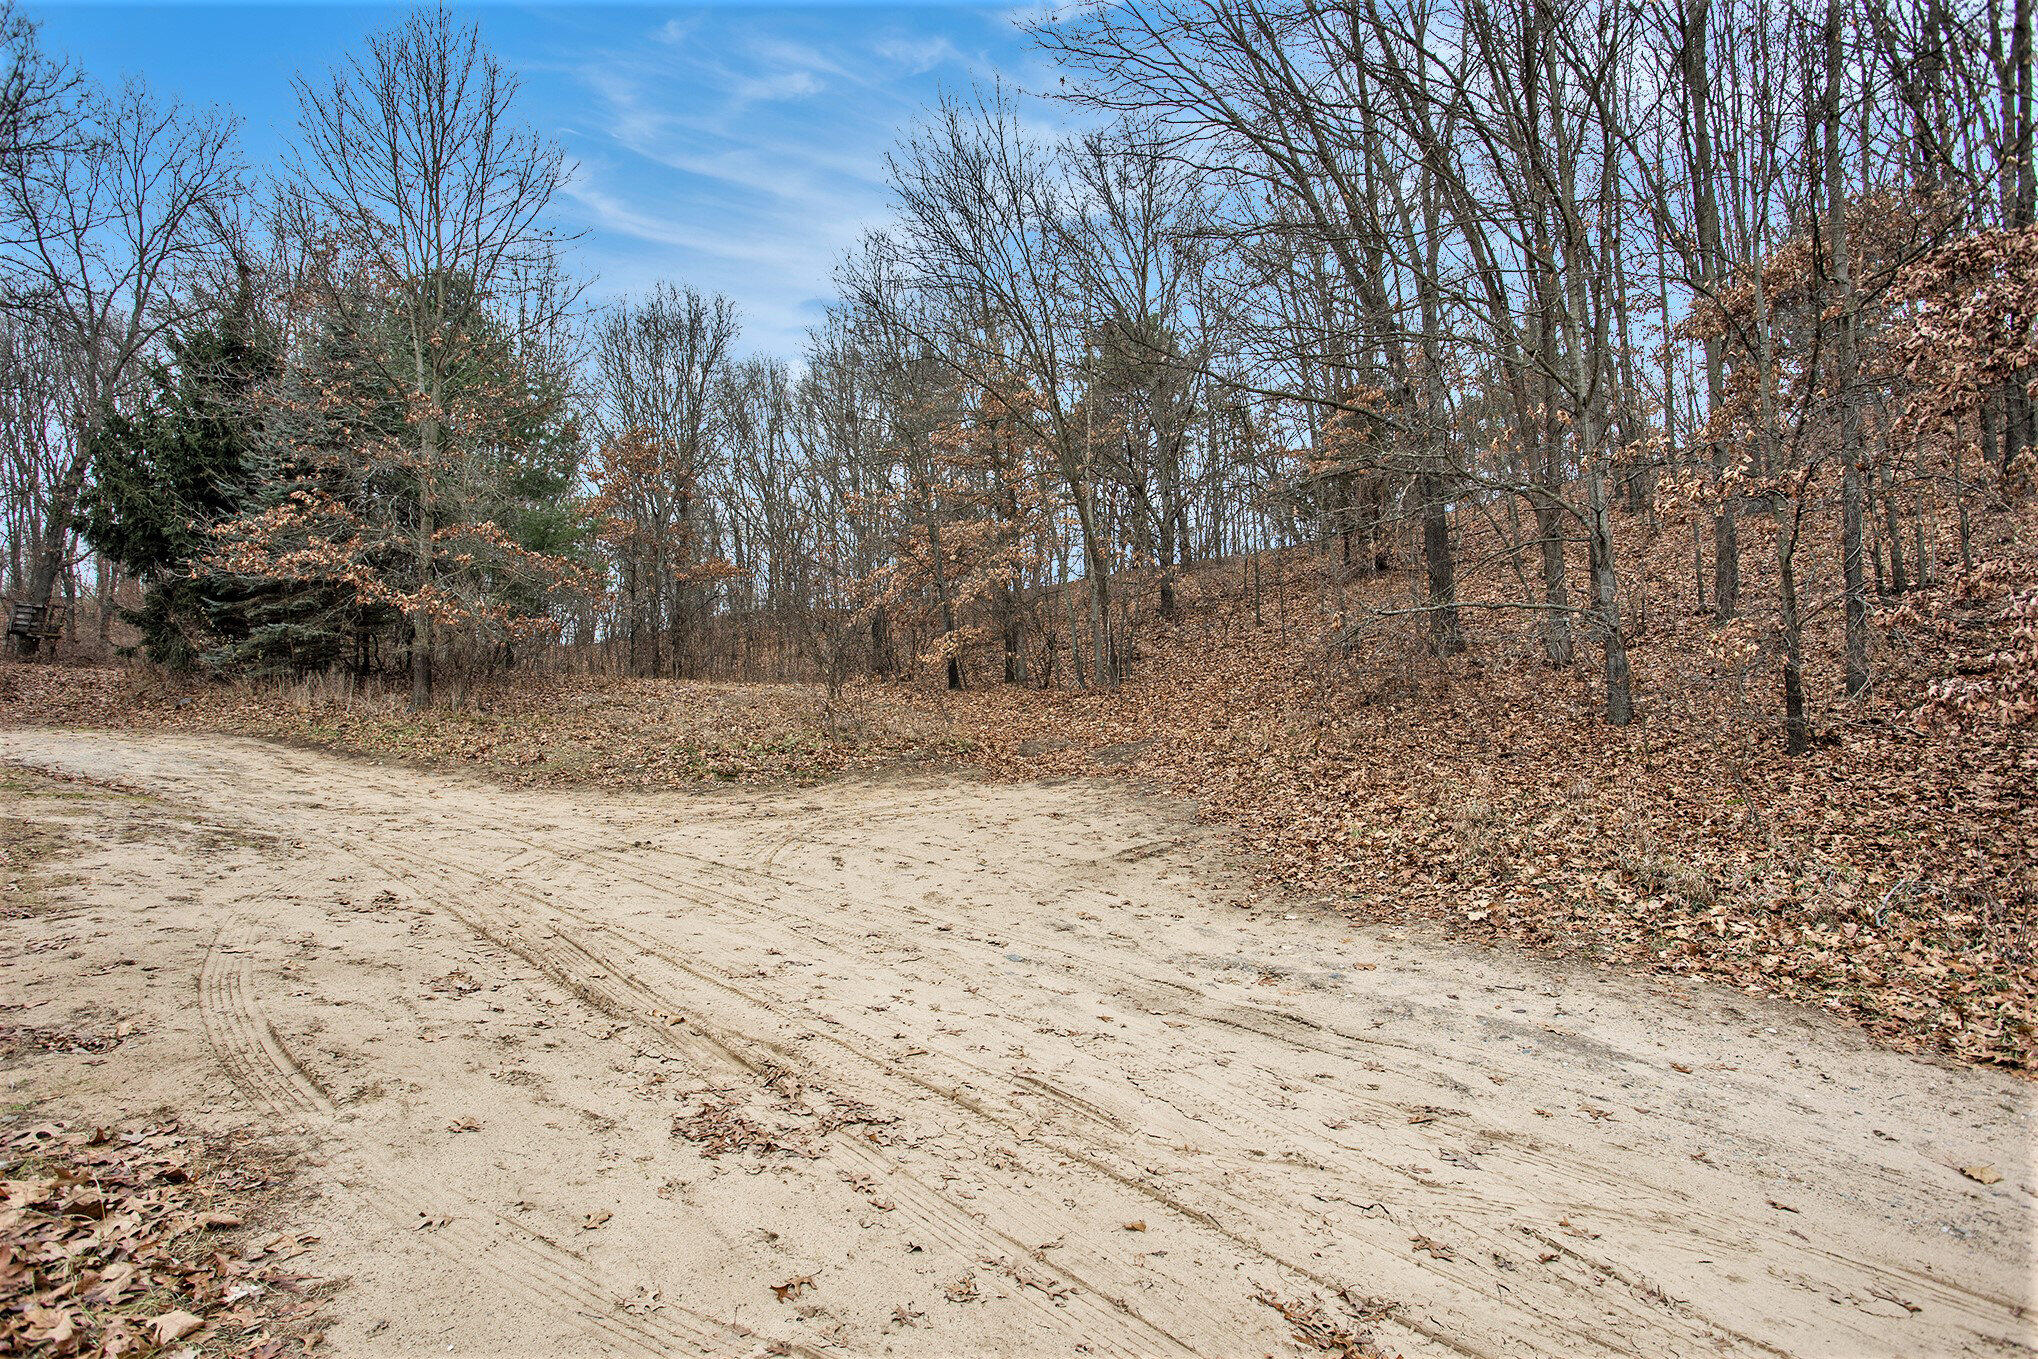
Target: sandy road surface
962,1070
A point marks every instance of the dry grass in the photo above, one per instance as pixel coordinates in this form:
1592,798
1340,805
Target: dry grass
617,732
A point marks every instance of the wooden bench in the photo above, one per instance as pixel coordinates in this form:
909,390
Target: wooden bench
30,625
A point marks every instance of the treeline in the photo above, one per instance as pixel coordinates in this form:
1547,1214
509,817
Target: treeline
1495,292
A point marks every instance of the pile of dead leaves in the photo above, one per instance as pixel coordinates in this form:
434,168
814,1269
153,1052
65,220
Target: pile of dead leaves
1315,1327
129,1243
528,730
718,1128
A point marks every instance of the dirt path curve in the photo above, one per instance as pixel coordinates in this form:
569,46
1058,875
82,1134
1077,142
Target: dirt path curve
924,1067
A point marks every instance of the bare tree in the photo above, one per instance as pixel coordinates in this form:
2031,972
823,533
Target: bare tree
37,94
103,229
411,169
1138,245
36,443
980,231
659,367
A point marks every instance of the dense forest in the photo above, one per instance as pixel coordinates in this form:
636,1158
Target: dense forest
1493,298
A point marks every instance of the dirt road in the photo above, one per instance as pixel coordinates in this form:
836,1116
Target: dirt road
919,1066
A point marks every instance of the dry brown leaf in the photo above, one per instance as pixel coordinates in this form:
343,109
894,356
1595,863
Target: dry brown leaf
174,1325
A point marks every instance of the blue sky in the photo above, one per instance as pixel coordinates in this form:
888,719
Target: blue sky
738,148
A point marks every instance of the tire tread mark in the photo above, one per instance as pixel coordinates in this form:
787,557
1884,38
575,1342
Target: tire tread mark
262,1067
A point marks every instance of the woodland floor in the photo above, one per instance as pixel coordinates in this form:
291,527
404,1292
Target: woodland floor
917,1063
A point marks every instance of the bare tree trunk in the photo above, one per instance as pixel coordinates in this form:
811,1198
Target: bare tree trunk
1100,585
1446,636
1899,577
1851,453
1556,595
1960,493
51,552
1620,704
881,642
1797,729
421,626
1550,522
1711,264
1008,610
2018,211
1164,559
420,662
1068,600
106,586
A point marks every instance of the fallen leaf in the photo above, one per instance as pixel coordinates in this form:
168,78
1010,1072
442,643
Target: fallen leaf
793,1287
1436,1249
174,1326
53,1327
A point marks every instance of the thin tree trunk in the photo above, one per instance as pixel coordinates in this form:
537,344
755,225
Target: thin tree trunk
1797,730
1446,635
1851,453
1711,264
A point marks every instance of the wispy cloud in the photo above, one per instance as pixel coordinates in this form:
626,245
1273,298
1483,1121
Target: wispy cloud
743,151
677,29
737,147
793,84
916,54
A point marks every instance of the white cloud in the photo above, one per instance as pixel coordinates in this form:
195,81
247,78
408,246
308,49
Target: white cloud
677,29
770,241
774,257
744,154
793,84
916,55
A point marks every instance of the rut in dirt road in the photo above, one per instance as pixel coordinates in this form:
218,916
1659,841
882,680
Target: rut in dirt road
923,1066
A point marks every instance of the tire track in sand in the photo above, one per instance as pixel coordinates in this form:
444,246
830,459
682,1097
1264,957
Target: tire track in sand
267,1073
1088,1313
